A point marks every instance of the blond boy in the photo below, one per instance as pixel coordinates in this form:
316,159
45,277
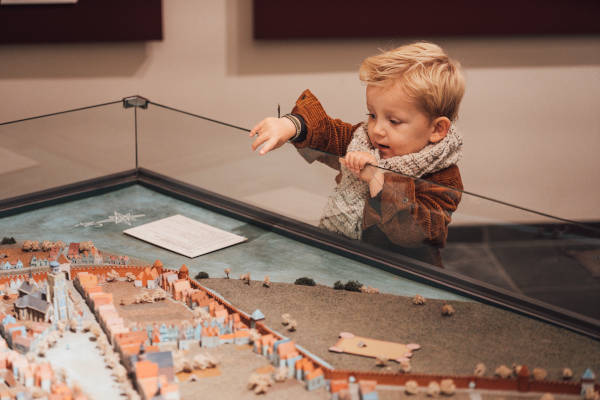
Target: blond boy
413,94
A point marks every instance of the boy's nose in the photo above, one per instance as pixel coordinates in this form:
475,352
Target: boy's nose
378,129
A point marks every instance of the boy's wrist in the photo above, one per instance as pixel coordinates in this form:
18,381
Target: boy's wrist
294,123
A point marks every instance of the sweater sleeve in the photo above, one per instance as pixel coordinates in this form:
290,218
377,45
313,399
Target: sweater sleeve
415,213
322,132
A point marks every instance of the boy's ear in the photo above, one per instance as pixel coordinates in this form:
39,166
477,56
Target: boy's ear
441,126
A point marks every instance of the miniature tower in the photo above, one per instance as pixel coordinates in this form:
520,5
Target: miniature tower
183,272
57,292
587,381
159,266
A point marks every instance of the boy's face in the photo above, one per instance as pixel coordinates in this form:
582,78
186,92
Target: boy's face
396,126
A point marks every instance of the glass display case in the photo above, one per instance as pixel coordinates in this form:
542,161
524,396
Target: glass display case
519,280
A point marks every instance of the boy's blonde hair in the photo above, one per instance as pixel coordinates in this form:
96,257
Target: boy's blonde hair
424,71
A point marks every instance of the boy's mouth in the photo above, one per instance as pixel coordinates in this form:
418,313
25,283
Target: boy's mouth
382,146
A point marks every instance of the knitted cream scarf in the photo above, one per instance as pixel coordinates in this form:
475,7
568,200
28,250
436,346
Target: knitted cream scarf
344,209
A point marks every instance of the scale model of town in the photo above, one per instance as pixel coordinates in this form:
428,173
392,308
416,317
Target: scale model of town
80,324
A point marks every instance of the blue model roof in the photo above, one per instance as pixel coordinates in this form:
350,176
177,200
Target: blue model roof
588,374
257,314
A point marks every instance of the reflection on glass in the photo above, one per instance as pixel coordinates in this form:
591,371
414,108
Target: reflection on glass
500,245
55,150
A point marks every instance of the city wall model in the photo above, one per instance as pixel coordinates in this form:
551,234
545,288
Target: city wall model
230,325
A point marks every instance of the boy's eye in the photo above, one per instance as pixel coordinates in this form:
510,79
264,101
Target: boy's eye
394,122
371,116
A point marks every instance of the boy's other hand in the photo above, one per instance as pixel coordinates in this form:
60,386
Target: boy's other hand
362,164
356,161
272,133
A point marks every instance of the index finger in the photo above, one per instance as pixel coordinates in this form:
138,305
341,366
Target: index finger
256,128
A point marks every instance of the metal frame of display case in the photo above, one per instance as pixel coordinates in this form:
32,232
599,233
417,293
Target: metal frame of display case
376,257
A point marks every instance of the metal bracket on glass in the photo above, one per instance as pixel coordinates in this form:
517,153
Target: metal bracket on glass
135,101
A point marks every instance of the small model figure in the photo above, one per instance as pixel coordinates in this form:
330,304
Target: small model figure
433,389
227,272
448,310
419,300
567,373
285,319
539,374
503,371
447,387
267,282
411,387
479,369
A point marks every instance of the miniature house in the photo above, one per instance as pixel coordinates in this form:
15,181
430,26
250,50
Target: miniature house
257,315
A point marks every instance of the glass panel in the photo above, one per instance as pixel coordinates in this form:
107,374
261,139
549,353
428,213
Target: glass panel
64,148
503,246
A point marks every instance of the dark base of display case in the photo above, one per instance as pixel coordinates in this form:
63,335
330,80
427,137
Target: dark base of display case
376,257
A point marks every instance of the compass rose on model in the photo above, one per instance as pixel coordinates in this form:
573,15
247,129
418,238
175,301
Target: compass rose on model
117,218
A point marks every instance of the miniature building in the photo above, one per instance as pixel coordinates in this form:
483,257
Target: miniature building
337,387
587,381
366,390
57,292
257,315
315,379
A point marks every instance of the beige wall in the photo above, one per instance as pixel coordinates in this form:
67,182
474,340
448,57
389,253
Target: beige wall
530,115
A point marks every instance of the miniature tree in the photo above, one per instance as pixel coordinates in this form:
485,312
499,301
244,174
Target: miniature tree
46,245
306,281
35,246
479,369
405,366
227,272
59,244
201,275
433,389
292,325
381,361
448,310
567,373
338,285
267,282
281,374
418,300
130,277
447,387
353,286
8,240
246,278
539,374
503,371
285,319
411,387
27,245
